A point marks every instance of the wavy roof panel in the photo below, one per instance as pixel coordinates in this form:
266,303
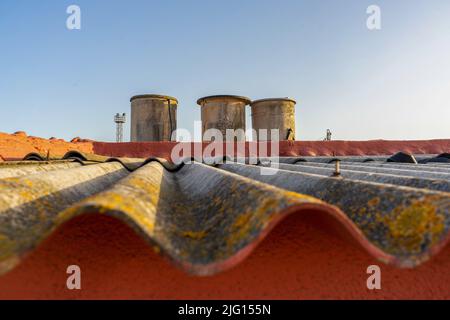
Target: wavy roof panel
207,219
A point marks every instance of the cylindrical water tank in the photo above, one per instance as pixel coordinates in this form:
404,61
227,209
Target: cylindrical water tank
274,113
153,117
224,112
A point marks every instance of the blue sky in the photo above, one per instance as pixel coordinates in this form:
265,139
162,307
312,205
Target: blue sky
393,83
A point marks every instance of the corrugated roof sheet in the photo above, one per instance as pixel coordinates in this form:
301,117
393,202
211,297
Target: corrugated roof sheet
208,218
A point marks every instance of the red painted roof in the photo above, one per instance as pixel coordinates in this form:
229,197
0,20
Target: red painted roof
306,256
303,258
286,148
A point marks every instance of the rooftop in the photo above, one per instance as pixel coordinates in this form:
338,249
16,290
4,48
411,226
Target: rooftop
207,219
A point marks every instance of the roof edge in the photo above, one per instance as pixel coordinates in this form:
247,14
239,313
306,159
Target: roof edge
153,96
241,98
273,99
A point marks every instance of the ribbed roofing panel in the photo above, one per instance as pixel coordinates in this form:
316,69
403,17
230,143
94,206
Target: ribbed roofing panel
208,218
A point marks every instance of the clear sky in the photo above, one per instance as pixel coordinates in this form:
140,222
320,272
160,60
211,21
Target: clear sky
392,83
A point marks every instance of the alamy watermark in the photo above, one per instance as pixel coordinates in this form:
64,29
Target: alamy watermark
373,21
74,280
236,146
374,280
73,21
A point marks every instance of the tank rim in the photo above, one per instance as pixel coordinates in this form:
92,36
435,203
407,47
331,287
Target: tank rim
153,96
273,99
242,98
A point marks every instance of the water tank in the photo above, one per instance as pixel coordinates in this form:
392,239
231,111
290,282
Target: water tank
153,117
274,113
224,112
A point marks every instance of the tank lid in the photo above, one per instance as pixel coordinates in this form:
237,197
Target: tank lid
274,99
153,96
224,96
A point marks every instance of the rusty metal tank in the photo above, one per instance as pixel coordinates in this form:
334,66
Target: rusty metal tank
223,112
274,113
153,117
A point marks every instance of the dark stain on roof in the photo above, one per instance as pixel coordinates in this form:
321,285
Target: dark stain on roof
207,218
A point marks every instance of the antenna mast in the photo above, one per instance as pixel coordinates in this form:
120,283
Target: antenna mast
119,120
328,136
